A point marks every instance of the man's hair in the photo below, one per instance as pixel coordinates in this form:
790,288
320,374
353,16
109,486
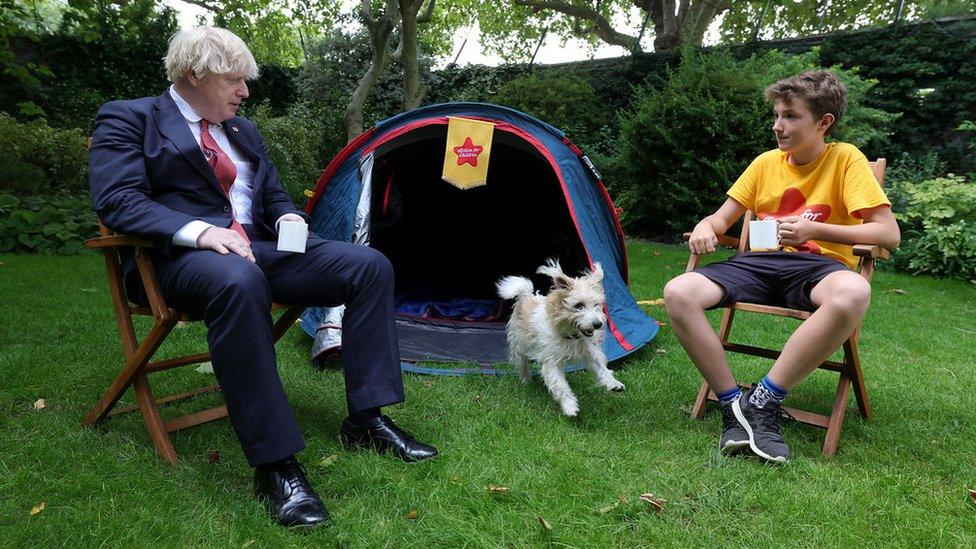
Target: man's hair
820,90
208,50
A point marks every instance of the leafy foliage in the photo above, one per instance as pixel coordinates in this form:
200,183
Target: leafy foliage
336,63
939,229
682,143
786,19
276,31
37,158
969,126
47,224
927,76
99,51
24,75
563,100
297,144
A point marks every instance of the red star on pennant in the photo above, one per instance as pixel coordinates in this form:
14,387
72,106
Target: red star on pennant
468,153
794,203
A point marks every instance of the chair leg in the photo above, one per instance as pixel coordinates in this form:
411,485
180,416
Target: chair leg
857,378
154,422
135,364
725,326
837,416
285,321
698,409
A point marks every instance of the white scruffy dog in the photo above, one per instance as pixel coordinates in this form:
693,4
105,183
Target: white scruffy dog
567,325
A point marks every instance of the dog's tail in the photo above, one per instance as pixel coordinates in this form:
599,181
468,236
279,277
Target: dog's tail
511,287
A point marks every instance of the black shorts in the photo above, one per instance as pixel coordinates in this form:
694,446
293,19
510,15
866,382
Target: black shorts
781,279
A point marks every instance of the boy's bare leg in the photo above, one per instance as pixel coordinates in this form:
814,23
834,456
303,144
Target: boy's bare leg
686,297
842,298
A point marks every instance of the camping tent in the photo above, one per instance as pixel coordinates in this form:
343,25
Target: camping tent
448,246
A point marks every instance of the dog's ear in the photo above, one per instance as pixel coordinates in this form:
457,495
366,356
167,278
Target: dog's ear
596,274
562,282
555,272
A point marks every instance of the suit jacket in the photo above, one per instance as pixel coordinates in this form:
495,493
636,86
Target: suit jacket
149,178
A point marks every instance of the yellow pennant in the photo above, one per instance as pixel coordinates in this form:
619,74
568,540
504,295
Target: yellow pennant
467,153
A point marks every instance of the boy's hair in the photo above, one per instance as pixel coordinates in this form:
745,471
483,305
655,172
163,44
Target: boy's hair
820,90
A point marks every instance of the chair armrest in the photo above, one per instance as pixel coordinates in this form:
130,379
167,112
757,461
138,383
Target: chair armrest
118,240
872,251
723,240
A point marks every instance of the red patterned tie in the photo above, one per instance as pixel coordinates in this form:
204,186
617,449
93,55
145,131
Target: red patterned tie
223,168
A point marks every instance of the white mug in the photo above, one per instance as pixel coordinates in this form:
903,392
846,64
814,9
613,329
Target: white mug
763,235
292,236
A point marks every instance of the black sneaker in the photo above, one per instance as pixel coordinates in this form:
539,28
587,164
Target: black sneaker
762,426
734,437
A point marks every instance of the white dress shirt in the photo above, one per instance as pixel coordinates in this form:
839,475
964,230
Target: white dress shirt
240,192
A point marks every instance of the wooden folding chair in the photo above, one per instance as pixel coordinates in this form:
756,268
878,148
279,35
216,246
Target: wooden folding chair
849,368
138,354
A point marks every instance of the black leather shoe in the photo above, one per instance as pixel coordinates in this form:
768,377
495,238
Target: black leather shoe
382,435
289,497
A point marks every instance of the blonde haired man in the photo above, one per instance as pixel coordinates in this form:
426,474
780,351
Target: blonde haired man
824,198
184,171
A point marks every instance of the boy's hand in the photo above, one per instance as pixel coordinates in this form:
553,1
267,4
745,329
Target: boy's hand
795,230
703,239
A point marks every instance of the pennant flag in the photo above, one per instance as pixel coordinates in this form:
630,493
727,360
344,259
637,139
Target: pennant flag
467,153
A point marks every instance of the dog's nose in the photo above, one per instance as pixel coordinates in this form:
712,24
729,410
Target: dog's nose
597,325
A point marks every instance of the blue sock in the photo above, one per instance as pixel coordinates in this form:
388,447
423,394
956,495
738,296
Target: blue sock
765,392
727,397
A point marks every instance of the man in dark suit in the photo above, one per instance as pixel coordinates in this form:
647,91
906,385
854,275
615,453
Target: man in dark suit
184,171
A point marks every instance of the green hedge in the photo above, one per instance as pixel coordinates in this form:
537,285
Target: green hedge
39,159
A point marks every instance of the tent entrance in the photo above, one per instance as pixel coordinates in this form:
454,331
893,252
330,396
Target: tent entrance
449,247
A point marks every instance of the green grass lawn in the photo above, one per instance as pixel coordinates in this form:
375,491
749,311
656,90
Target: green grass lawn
900,480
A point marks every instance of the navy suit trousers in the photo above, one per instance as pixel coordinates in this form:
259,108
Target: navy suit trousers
234,295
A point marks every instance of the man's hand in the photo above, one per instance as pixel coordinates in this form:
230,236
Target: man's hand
224,241
291,217
795,230
703,239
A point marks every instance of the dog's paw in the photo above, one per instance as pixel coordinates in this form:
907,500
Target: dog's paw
616,386
570,408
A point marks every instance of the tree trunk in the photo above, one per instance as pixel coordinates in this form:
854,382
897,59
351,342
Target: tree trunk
411,65
683,23
379,32
410,19
353,117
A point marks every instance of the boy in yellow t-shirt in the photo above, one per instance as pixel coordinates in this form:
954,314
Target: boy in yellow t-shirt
825,198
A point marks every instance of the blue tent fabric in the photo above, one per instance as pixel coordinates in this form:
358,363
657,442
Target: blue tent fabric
333,207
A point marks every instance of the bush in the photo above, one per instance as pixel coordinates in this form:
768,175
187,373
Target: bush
38,159
50,224
298,143
684,142
682,145
939,229
905,171
567,102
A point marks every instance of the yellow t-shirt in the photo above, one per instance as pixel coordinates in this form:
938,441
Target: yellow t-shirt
830,189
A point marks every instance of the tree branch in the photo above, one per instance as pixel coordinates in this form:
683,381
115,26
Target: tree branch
203,4
428,12
601,26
